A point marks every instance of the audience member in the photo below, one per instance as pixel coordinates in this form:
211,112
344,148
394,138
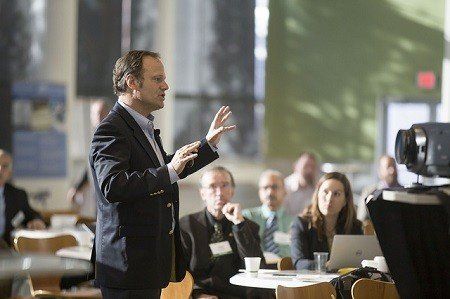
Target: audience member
387,175
220,223
14,208
332,212
274,223
82,195
300,184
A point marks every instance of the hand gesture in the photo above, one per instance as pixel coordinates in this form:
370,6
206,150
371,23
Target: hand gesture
233,212
217,127
184,155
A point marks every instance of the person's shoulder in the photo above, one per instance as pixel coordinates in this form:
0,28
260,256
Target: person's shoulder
187,220
13,189
302,222
251,223
252,212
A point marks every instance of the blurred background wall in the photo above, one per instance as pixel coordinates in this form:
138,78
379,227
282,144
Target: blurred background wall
299,75
328,64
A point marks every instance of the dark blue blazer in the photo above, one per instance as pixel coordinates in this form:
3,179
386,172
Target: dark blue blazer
134,238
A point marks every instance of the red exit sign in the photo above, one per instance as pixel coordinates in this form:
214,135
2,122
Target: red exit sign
426,80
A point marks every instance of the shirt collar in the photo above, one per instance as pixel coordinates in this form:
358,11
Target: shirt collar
2,190
267,213
211,218
144,122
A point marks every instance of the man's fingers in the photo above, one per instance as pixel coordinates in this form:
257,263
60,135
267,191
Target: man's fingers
226,117
218,114
188,158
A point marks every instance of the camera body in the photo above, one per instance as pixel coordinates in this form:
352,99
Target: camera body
425,149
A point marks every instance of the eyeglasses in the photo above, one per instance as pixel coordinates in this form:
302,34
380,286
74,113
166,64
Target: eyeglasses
267,187
213,187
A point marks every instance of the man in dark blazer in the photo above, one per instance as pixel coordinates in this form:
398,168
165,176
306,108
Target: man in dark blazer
221,222
137,246
14,208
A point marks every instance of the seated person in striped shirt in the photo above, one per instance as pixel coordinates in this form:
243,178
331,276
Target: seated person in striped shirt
332,212
274,223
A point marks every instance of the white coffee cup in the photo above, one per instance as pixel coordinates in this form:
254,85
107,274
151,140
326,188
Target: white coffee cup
252,265
381,264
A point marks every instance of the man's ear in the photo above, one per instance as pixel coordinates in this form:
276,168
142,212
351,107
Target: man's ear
132,82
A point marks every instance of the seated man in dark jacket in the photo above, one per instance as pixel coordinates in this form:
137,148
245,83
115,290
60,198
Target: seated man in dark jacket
221,221
14,208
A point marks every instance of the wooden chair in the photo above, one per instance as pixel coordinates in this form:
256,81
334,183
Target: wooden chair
374,289
323,290
368,228
179,290
285,264
49,287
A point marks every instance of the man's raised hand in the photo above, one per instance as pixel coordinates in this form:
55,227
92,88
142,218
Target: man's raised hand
217,127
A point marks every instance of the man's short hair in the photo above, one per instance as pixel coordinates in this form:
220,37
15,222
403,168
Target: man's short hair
218,169
129,64
271,172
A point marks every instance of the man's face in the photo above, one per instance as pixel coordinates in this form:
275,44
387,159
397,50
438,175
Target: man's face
5,168
151,92
216,190
387,171
271,191
306,167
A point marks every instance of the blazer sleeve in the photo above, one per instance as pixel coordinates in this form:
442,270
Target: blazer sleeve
205,156
247,240
83,180
28,211
300,245
110,159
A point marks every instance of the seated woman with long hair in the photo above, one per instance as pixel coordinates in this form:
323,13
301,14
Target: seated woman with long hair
331,212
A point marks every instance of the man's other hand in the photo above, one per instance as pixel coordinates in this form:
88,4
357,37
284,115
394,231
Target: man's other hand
184,155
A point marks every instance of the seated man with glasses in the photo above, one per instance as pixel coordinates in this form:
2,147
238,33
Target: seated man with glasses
217,239
274,223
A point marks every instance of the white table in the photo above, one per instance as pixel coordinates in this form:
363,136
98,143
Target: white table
34,264
83,237
76,252
270,279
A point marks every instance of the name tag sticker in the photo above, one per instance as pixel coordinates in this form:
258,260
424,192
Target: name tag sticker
17,220
282,238
220,248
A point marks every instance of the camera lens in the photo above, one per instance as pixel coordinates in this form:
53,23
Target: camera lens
405,147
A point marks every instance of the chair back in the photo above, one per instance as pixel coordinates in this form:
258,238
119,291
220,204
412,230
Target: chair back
179,290
285,263
368,228
40,285
374,289
323,290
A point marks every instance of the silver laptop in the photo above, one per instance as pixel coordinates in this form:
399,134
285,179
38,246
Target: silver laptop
350,250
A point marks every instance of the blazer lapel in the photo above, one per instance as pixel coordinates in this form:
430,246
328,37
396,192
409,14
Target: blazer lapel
201,219
159,142
137,133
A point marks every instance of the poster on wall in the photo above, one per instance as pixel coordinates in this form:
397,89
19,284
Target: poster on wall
39,130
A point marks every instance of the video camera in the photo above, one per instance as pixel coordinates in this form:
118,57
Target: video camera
425,149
